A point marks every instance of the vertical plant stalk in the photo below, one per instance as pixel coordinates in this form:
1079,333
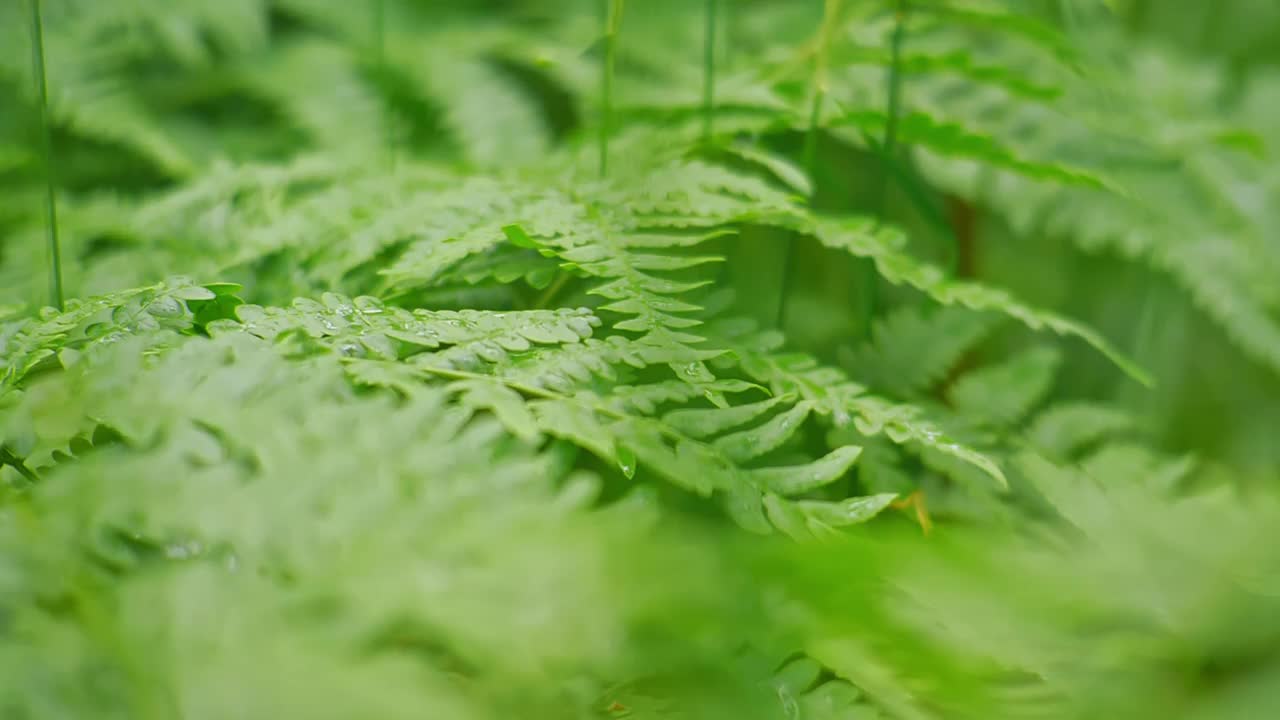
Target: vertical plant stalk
612,18
709,68
811,134
1145,343
46,146
964,218
830,14
888,147
888,144
380,63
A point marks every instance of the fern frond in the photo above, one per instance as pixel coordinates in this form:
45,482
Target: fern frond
912,348
180,512
953,140
1151,471
627,243
89,46
30,344
830,393
318,86
1065,429
984,16
864,238
1003,394
806,519
367,327
960,62
489,116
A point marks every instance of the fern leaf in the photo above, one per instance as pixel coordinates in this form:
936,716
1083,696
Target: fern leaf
960,62
701,423
953,140
505,403
367,327
319,87
807,519
831,394
490,117
800,479
1066,429
31,344
749,444
863,240
1003,394
1152,472
912,348
988,16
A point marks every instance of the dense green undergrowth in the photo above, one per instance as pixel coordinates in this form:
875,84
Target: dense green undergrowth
668,359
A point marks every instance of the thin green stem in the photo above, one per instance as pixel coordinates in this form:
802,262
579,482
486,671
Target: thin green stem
709,69
916,189
379,32
46,142
811,133
830,14
810,166
888,145
1146,335
613,16
562,279
380,62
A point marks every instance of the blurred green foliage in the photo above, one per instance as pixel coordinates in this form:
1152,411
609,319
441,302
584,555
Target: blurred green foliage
929,371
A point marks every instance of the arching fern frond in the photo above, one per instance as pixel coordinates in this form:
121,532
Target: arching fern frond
29,344
865,238
830,393
367,327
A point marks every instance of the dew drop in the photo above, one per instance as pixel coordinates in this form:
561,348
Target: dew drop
557,382
627,462
369,305
183,551
165,306
490,353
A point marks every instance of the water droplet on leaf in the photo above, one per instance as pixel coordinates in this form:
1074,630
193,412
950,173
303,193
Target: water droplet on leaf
627,462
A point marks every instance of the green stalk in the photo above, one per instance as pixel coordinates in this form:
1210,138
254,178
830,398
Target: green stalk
379,32
811,133
613,16
544,300
830,13
888,146
380,61
709,69
50,198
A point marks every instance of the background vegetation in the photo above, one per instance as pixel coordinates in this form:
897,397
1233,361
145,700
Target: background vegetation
666,359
